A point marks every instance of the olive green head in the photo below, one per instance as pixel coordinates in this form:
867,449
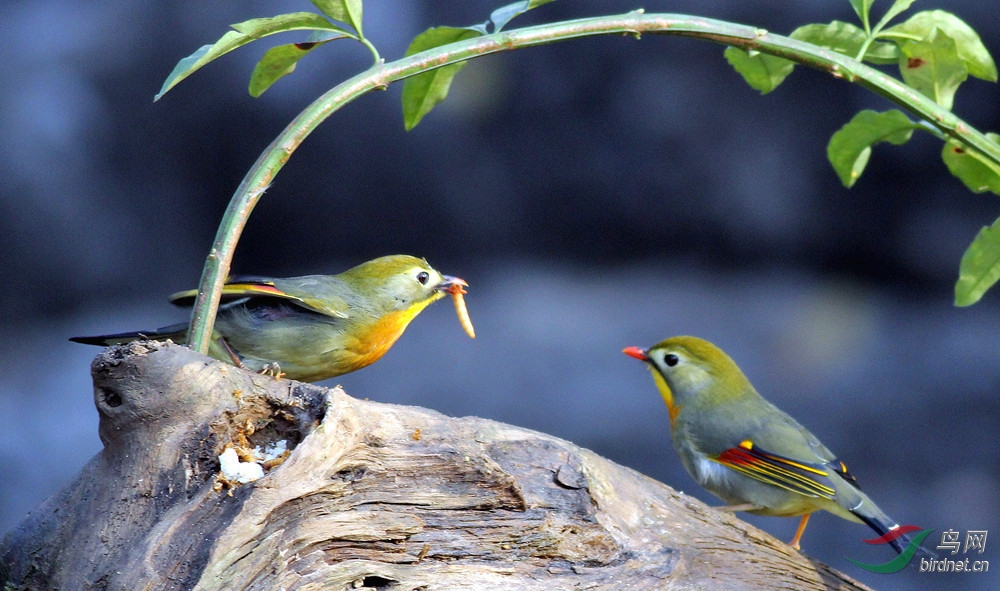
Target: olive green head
691,368
399,281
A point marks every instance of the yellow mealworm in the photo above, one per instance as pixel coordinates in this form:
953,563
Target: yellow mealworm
463,312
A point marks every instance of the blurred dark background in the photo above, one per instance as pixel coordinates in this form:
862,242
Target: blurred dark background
596,194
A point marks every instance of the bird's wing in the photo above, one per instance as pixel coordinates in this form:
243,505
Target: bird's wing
319,299
811,479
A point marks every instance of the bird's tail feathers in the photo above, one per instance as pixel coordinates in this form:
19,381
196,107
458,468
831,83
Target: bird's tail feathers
885,526
174,332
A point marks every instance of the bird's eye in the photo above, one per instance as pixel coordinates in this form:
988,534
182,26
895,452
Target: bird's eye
422,277
670,359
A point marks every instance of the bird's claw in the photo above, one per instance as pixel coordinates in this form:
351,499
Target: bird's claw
272,369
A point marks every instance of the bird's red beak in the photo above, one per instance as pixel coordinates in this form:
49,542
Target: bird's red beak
637,352
452,284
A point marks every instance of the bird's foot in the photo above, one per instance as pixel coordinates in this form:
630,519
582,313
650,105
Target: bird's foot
798,532
272,369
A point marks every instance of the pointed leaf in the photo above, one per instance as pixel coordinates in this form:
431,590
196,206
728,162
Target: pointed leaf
423,92
980,266
334,9
244,33
761,71
482,28
345,11
355,12
501,16
979,173
324,36
294,21
863,9
933,67
277,63
897,7
847,39
851,145
968,44
206,53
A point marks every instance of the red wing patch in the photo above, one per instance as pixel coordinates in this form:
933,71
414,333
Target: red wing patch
798,477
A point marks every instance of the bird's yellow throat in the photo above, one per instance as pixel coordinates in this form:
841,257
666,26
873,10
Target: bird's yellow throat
665,392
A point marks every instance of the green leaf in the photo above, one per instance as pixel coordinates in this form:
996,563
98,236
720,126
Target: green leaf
968,44
851,146
847,39
980,266
897,7
979,173
345,11
277,63
863,9
933,67
244,33
423,92
206,53
324,36
761,71
501,16
882,53
258,28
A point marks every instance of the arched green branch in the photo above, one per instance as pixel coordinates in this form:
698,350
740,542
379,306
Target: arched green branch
633,24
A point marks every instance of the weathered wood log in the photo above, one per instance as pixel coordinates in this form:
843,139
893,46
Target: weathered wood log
371,496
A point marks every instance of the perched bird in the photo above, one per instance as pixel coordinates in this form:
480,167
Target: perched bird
743,449
314,327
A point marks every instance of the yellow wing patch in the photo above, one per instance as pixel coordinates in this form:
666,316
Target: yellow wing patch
242,289
776,470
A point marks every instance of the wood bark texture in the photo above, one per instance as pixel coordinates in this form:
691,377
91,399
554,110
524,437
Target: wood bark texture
372,496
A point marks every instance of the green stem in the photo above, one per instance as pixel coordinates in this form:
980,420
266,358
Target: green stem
864,47
371,48
634,23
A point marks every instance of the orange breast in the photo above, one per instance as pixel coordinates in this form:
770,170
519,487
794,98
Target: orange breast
369,343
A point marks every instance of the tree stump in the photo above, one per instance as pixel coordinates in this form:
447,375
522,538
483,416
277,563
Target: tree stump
371,496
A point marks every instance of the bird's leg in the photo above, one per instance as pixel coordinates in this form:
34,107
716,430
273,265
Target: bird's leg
232,354
741,507
798,533
272,369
